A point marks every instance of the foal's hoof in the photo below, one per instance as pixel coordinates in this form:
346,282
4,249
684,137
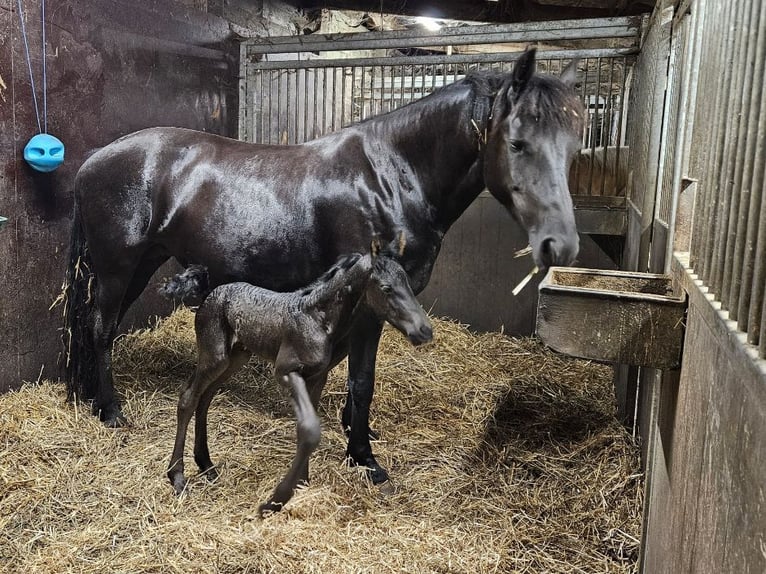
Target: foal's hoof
268,508
179,484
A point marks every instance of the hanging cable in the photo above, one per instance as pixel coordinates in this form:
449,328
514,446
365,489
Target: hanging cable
45,79
43,152
29,62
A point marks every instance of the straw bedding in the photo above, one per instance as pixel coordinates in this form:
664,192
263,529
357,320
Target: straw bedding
504,457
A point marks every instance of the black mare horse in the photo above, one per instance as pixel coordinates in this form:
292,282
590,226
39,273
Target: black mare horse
277,216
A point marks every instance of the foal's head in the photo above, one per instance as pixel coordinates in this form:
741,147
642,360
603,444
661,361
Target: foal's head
535,131
390,296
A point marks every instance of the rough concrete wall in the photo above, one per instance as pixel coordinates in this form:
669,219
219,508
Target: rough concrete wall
113,67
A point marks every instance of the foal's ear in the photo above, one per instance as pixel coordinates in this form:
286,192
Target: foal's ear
569,74
522,72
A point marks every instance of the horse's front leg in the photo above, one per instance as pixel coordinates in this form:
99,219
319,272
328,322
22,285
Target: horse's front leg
309,432
363,350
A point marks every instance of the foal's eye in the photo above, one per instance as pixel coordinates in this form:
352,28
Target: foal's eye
517,145
387,289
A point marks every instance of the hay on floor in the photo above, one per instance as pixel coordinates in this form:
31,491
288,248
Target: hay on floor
504,457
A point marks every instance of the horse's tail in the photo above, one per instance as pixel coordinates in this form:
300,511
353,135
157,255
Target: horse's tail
190,287
80,369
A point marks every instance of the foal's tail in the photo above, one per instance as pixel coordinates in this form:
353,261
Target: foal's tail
80,369
190,287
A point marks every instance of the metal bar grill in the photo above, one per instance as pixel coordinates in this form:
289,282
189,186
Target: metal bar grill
728,158
380,85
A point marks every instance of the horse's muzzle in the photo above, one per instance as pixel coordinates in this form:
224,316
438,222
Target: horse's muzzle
557,251
423,335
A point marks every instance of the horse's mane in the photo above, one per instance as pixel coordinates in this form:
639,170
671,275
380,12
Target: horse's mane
330,281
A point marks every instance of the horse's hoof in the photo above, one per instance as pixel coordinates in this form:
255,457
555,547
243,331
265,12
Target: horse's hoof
179,484
211,474
268,508
375,473
387,488
112,417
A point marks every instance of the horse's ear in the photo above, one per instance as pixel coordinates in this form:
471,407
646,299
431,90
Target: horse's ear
569,74
522,72
402,243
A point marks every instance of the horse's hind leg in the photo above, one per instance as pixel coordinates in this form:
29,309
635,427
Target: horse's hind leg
309,432
201,452
150,262
115,291
104,317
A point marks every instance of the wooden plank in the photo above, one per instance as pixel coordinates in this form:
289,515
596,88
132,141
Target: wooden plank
713,440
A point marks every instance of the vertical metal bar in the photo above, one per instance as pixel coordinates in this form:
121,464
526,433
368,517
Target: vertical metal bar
729,137
755,317
334,98
343,120
743,175
623,107
756,185
362,114
373,111
594,127
270,119
606,129
413,73
713,66
315,107
586,107
288,75
762,336
736,158
305,135
392,98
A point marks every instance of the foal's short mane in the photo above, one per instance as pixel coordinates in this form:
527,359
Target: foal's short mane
330,281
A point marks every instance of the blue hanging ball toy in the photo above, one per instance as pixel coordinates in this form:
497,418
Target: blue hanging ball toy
44,152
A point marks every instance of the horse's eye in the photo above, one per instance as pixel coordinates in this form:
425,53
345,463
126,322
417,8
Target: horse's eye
387,289
517,145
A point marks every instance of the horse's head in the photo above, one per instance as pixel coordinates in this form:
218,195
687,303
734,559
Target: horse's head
390,296
534,131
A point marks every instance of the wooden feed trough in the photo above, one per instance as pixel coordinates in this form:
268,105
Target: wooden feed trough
623,317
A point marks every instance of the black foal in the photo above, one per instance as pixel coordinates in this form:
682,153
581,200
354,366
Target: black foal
298,332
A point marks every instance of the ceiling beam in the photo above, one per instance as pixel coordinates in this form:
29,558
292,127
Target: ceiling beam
488,11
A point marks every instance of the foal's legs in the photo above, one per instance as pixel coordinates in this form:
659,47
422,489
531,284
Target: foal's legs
315,385
205,377
237,359
309,432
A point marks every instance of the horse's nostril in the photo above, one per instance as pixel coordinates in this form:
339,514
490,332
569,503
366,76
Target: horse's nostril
548,251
